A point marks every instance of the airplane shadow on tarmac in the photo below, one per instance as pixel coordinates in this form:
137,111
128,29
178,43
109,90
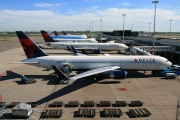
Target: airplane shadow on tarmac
81,83
11,75
76,85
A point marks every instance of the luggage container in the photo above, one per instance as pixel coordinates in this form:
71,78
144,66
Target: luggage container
2,104
22,110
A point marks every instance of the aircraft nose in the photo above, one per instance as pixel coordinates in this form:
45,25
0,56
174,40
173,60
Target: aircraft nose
126,47
170,64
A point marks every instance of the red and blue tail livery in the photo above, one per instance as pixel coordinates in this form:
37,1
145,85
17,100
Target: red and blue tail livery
56,33
31,49
64,33
46,36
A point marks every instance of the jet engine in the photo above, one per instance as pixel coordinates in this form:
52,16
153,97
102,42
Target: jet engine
67,71
97,51
118,74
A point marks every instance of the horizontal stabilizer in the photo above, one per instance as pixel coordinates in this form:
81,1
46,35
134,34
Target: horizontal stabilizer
59,73
24,62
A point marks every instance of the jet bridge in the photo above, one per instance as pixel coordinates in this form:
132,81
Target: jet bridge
157,48
145,50
138,51
128,42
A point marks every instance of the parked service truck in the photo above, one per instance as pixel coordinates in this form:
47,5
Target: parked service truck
162,73
170,75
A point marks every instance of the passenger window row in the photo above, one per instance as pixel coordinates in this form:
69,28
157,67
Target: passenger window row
88,62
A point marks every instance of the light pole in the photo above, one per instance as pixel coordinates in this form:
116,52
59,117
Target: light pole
123,24
132,28
170,29
89,28
149,29
101,29
92,26
155,2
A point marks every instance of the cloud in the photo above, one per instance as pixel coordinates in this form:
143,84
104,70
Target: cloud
13,20
90,9
45,5
126,4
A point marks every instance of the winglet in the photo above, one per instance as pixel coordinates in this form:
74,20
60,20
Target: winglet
46,36
59,73
76,52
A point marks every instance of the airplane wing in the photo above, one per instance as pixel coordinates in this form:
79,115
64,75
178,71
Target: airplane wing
94,72
80,54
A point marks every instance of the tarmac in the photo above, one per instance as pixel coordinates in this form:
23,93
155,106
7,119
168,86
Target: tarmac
158,94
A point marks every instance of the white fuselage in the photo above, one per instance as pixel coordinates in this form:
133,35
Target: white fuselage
91,62
75,40
89,46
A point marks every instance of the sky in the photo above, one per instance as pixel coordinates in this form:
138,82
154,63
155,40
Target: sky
81,15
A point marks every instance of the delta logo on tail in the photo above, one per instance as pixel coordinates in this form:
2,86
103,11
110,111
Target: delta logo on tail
64,33
30,49
45,36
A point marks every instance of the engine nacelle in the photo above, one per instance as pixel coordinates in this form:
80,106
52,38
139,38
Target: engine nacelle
67,70
97,51
118,74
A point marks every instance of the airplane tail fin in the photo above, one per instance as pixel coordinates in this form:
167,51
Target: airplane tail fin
31,49
46,36
56,33
64,33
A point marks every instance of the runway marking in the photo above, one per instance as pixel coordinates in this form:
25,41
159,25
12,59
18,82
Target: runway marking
122,89
34,117
37,110
13,69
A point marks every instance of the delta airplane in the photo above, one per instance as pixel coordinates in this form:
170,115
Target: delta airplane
93,47
55,33
64,33
112,65
46,37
